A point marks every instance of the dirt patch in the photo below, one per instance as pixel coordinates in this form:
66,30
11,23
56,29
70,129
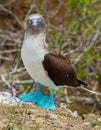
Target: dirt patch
25,117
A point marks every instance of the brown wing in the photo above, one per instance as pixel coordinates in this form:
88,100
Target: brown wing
60,70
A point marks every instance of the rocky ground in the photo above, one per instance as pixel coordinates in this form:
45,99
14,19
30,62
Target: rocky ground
14,115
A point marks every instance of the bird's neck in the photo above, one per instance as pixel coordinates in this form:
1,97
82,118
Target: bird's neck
33,45
38,38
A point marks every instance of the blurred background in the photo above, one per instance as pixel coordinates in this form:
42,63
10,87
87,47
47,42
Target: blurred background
73,29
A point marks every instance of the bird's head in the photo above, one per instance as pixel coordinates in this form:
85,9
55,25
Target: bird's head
35,23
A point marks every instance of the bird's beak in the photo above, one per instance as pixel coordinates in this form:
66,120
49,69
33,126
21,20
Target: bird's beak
34,23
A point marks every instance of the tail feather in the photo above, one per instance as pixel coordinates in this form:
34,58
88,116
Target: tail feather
81,82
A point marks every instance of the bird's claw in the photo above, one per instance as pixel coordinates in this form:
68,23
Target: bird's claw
47,102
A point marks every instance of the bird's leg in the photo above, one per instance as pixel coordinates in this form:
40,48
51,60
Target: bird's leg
33,96
42,101
38,87
47,102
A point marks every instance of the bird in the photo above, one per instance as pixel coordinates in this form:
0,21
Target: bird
44,65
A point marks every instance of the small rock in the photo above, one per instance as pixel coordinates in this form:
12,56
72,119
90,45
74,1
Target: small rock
74,114
52,115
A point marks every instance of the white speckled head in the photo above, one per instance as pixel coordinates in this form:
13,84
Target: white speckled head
35,23
35,30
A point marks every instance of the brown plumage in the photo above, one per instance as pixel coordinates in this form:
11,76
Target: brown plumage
60,71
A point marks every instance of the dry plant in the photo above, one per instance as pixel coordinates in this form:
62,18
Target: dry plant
73,29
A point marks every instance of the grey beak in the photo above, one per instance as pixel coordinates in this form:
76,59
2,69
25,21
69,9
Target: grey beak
34,22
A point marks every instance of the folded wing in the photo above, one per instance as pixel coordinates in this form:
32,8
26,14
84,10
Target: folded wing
59,70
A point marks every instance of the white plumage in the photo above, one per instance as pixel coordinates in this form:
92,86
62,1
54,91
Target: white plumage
32,54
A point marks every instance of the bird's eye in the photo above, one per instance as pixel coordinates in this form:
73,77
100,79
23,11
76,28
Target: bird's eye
40,20
30,21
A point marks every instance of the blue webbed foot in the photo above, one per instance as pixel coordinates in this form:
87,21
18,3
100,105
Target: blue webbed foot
30,97
46,102
33,96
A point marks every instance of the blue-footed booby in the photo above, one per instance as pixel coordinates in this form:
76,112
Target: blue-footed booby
46,67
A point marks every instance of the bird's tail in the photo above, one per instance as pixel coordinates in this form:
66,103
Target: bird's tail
81,82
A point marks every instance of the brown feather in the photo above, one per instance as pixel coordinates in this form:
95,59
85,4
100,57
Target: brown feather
60,70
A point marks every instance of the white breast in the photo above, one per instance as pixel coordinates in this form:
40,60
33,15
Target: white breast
32,54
